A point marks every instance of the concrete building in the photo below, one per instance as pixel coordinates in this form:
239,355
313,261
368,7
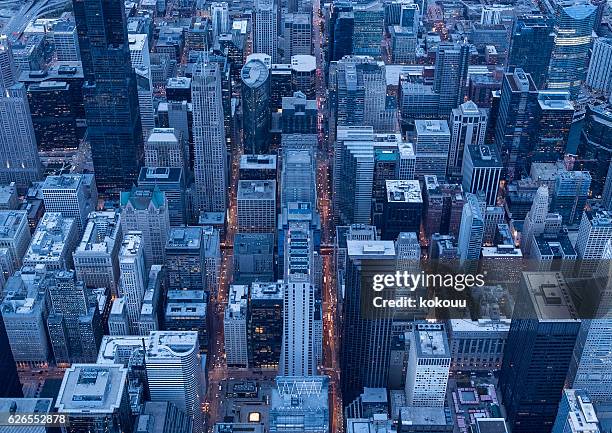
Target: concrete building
432,148
186,311
443,205
256,206
257,167
95,399
298,176
118,321
72,195
14,236
235,327
265,24
96,258
428,366
165,148
185,259
594,233
297,34
25,406
599,75
53,242
133,276
477,345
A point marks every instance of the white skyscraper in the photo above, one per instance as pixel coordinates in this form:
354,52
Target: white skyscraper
133,276
174,371
536,219
219,14
297,353
266,28
432,147
209,139
235,327
141,62
73,195
594,233
428,366
8,71
468,125
599,76
165,148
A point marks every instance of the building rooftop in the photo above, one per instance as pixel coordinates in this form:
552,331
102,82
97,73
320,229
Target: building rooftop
237,302
431,341
425,416
10,221
100,232
92,389
266,291
254,73
303,63
130,245
370,249
480,325
484,156
25,406
256,190
160,175
258,162
549,296
141,198
165,135
431,127
64,181
185,238
404,191
137,41
165,344
49,241
114,348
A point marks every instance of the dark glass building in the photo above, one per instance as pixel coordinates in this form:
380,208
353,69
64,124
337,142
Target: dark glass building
265,332
256,107
538,352
531,46
111,100
341,27
595,148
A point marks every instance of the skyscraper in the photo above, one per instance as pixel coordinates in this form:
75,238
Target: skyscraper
133,277
515,126
599,76
19,160
531,46
450,75
471,231
265,30
573,29
255,77
210,159
235,327
468,125
219,13
538,352
110,93
482,167
297,355
534,224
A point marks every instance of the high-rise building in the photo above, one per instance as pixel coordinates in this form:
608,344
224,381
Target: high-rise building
595,147
165,148
265,325
531,46
256,206
219,13
298,176
210,151
118,321
403,208
365,349
185,259
265,28
304,74
443,206
297,33
432,148
471,231
253,257
468,125
66,41
53,243
133,276
515,126
482,167
535,220
96,256
186,311
110,93
255,77
553,119
258,167
19,156
341,27
300,404
428,366
235,327
593,234
298,342
570,195
171,182
72,195
146,211
450,75
14,236
538,352
95,399
599,76
174,371
576,413
8,71
369,23
573,29
299,115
